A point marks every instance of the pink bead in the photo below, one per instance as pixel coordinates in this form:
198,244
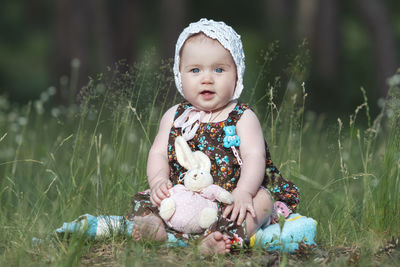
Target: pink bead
281,209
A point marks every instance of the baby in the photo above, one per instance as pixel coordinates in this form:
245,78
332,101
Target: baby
208,69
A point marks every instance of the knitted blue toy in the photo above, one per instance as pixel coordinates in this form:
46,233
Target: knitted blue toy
296,229
97,227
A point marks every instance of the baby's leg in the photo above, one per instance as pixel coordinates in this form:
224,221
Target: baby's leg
263,206
149,227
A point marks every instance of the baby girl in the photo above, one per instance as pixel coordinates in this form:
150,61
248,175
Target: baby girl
208,68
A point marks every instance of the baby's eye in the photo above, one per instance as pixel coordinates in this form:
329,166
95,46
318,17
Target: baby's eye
195,70
219,70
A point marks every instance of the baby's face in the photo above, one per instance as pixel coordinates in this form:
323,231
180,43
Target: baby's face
208,73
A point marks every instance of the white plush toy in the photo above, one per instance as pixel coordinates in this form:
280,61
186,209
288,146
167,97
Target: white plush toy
192,208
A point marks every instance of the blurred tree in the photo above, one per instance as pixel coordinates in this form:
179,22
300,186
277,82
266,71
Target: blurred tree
325,39
103,33
24,46
279,20
70,36
97,33
352,42
375,16
325,42
125,26
322,21
173,20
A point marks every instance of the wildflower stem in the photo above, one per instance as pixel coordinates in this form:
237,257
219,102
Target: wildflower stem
140,121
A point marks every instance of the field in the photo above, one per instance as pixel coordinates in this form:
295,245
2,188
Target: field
58,162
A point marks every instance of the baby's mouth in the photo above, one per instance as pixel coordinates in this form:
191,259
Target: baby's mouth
206,92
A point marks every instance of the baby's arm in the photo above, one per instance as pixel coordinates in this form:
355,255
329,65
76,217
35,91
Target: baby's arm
252,153
157,162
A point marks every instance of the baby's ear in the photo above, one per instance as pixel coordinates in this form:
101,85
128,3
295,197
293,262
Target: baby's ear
183,153
202,160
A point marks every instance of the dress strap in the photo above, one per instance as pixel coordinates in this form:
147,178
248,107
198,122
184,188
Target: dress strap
181,108
236,113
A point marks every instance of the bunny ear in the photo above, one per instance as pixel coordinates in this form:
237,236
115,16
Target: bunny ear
184,154
202,160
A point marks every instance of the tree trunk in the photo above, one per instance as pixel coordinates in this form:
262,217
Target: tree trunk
279,21
70,42
376,18
173,15
325,41
103,34
306,18
127,30
109,28
324,44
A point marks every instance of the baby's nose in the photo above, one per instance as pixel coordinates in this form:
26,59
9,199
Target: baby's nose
195,177
207,78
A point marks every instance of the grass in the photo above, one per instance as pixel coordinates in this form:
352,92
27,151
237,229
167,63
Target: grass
57,163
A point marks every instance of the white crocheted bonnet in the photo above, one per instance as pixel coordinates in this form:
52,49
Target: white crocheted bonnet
227,37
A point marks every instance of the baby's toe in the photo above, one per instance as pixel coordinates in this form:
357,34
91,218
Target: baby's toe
218,236
225,237
136,233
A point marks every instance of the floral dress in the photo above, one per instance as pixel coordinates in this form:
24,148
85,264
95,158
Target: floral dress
217,141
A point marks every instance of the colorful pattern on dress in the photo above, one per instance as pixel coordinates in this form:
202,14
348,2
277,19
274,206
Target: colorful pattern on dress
281,189
209,138
225,170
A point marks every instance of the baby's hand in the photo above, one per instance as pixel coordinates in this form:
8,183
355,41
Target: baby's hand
159,191
242,203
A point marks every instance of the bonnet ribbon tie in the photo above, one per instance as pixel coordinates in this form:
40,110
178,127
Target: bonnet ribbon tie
189,121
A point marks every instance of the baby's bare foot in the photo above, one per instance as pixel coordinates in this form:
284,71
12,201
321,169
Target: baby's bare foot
149,227
215,243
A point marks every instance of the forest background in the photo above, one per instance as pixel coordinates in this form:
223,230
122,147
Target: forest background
352,44
75,133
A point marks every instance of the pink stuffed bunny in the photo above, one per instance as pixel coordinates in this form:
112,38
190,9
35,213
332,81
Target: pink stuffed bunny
192,208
